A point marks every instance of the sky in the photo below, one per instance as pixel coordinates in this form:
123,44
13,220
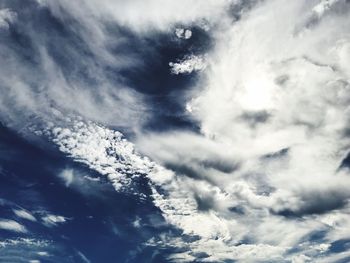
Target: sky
174,131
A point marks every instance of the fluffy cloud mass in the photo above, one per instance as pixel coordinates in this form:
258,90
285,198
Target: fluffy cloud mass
261,175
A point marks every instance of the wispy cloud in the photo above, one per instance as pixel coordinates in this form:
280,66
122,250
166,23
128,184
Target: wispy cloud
12,225
24,214
67,175
51,220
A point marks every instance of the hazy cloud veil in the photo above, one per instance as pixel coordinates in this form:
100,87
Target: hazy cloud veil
230,117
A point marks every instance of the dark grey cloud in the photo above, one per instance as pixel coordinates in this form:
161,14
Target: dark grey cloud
254,118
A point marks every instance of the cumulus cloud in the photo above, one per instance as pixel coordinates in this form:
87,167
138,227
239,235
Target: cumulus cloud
102,149
78,70
188,65
183,33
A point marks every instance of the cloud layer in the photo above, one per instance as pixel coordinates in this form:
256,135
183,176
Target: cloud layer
264,175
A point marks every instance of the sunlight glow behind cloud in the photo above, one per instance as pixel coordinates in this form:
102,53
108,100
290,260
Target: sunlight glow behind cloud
264,172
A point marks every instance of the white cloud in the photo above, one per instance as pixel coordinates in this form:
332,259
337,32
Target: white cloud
262,96
82,182
24,241
277,102
137,223
102,149
188,65
143,16
67,175
274,90
183,33
12,225
24,214
272,113
13,250
53,220
116,158
272,106
83,257
57,94
94,179
336,257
